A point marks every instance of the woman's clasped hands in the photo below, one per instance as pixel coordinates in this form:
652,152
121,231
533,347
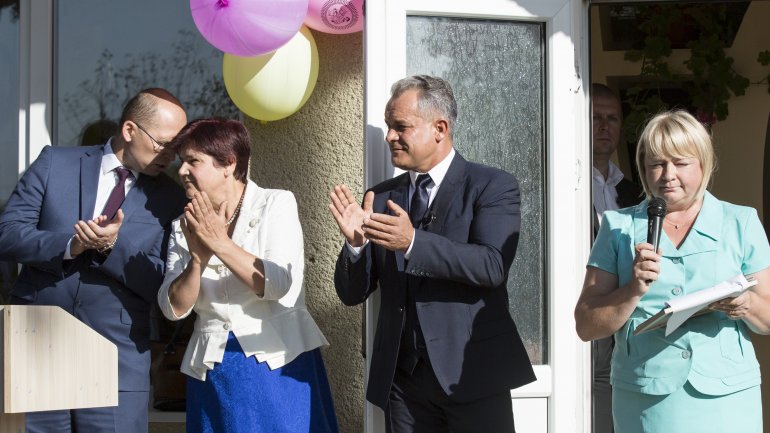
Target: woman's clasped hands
204,228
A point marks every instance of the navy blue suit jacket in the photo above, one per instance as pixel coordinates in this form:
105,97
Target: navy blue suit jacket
110,294
459,269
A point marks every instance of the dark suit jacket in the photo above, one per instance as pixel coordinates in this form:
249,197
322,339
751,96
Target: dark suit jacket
110,294
629,193
458,269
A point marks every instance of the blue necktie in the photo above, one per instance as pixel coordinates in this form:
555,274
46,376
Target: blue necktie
419,206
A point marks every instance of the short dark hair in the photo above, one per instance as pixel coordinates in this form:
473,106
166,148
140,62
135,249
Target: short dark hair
143,106
598,89
436,95
225,140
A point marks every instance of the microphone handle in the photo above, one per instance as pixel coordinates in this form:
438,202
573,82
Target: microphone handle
654,231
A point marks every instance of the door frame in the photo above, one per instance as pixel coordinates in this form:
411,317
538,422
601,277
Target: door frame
565,379
35,79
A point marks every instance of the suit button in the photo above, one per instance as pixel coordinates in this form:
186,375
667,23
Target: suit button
686,354
676,260
676,291
226,326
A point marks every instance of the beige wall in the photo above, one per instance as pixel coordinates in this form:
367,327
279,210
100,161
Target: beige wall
307,153
740,139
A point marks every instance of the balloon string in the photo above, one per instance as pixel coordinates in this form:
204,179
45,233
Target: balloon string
222,3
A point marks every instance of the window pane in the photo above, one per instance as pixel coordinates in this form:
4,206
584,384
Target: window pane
497,71
9,94
108,51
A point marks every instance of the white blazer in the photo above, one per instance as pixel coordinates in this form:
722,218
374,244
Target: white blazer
275,328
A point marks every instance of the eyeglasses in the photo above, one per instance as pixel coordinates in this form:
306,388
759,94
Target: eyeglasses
157,146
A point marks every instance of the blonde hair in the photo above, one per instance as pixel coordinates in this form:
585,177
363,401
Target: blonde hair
676,134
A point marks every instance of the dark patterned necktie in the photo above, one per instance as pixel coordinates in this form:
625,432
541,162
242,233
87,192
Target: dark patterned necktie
419,205
118,193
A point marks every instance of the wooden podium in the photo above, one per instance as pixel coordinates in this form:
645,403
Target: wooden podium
52,361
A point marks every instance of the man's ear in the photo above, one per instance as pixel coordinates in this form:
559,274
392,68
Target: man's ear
442,129
127,130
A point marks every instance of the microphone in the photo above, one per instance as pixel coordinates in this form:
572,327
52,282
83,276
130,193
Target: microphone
656,211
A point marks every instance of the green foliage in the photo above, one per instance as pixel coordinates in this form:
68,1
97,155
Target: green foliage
712,80
764,59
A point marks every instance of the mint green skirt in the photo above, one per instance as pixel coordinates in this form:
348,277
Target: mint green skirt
687,411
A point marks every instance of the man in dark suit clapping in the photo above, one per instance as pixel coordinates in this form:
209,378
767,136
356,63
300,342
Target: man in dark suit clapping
438,241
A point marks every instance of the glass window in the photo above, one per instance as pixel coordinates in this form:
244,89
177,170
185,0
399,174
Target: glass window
9,120
107,51
497,71
9,94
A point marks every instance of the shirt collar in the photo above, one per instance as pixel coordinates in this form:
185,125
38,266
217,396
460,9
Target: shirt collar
110,162
438,172
705,231
614,176
709,219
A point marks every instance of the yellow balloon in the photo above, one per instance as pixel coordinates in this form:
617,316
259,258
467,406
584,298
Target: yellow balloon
274,85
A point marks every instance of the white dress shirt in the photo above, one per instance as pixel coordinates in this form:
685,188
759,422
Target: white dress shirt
605,195
108,178
275,328
437,175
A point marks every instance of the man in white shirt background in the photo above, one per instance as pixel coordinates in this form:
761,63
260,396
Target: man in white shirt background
611,190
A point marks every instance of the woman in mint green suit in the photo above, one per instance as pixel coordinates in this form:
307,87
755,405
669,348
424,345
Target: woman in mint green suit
704,377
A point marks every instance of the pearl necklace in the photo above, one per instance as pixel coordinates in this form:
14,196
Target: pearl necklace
237,209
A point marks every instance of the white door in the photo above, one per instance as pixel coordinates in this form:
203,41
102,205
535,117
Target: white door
519,72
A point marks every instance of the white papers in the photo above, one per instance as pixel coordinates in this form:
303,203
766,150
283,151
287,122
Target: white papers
683,308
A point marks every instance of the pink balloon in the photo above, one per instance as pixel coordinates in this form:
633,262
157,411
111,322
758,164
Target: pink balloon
335,16
248,28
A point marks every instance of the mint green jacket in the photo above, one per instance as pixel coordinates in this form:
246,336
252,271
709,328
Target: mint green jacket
712,352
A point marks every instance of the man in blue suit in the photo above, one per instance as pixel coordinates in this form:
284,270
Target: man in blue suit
90,225
438,241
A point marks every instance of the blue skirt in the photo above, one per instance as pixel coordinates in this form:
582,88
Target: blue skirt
241,395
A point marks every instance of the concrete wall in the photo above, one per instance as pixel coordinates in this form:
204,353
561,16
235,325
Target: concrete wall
307,153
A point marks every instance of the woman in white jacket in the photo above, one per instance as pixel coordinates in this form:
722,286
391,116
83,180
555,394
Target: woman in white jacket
236,258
